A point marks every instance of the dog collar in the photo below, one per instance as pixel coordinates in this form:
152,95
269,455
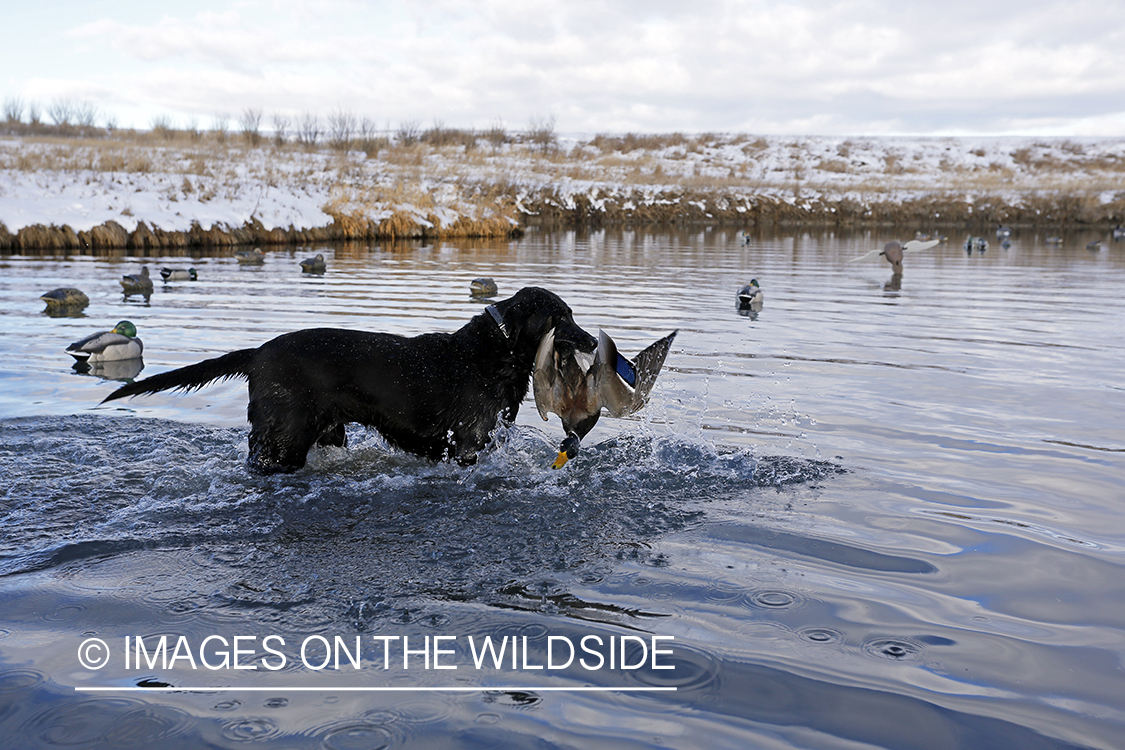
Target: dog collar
498,318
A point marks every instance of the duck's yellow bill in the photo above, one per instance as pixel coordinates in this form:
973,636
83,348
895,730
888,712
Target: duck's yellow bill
560,460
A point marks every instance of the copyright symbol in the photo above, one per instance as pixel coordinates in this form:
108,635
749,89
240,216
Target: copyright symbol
93,653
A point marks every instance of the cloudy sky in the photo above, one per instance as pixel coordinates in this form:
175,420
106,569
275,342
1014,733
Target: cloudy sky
852,67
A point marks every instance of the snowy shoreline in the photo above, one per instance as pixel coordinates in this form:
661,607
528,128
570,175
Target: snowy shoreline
142,192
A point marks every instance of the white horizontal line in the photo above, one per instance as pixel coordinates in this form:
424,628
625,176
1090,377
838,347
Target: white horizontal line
499,688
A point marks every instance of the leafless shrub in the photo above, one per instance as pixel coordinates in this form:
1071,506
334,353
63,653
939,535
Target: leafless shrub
308,130
250,123
341,128
440,136
86,114
13,109
370,142
220,126
162,127
192,129
409,133
497,135
634,141
541,132
280,125
34,114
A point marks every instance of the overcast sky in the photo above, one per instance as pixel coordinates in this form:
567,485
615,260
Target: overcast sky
596,66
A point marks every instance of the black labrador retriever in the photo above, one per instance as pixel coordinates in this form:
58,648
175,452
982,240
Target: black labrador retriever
438,395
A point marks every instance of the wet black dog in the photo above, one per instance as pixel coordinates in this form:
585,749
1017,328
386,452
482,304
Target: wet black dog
438,395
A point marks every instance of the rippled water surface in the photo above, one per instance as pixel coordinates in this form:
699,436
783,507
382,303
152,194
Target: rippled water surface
876,513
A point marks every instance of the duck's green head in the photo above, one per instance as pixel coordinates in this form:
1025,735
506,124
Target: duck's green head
754,283
125,328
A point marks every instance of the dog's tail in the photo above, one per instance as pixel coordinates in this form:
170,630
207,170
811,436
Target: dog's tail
233,365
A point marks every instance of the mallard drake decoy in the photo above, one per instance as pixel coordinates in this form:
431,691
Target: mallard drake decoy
483,287
1052,240
1003,232
745,237
108,346
576,385
178,274
250,257
750,297
1094,245
65,297
137,283
314,265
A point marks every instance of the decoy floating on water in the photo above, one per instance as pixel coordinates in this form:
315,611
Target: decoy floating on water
750,297
1094,245
65,299
178,274
745,237
576,385
1003,232
253,257
315,264
1052,240
1005,243
137,283
1118,233
108,346
483,287
980,244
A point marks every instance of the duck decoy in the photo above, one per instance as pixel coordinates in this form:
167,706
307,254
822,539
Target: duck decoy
1094,245
1003,232
1052,240
980,244
576,385
65,299
483,287
178,274
750,297
137,283
1006,243
253,257
1118,233
315,264
745,237
108,346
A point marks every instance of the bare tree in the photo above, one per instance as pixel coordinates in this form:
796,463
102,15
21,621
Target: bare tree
86,114
280,124
33,113
61,112
541,132
308,130
341,127
250,122
162,126
13,109
220,125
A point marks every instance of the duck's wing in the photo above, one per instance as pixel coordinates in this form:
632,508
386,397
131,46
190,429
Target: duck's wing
916,245
621,386
545,375
96,342
871,254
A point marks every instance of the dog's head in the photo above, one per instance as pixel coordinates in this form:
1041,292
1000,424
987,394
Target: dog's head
531,312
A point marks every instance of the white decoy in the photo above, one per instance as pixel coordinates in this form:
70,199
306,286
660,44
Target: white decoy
108,346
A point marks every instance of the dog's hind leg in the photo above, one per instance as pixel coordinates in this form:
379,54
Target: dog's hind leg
280,437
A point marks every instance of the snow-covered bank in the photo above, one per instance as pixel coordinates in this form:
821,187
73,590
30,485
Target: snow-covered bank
143,192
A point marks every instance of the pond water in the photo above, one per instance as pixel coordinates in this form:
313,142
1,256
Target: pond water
877,513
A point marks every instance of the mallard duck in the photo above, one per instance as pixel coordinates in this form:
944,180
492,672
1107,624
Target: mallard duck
483,287
108,346
313,265
137,283
178,274
576,385
65,297
250,257
750,297
745,237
